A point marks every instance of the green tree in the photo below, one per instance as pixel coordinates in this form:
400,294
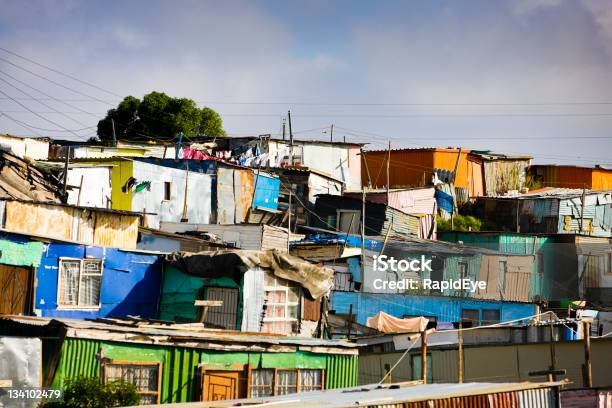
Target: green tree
84,392
161,117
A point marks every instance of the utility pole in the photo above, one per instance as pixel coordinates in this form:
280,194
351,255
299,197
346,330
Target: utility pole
460,349
290,140
363,220
331,133
284,120
388,166
114,135
289,219
587,373
582,208
424,356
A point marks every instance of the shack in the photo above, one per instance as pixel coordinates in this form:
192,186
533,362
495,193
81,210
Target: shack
181,363
254,291
49,277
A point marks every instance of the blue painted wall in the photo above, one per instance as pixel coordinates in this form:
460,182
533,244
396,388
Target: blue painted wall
266,192
445,309
131,282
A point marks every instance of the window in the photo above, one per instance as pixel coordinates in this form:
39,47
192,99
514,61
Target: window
470,316
262,382
501,275
282,307
344,218
267,382
286,382
167,190
145,376
224,316
490,316
79,282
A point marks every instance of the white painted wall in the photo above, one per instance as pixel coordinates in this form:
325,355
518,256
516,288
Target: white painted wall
96,186
322,185
37,149
327,158
198,197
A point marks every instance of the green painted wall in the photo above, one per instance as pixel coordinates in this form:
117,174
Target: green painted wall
21,254
179,292
179,364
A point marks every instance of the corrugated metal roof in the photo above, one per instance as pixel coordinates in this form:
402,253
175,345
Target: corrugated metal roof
178,333
380,395
551,192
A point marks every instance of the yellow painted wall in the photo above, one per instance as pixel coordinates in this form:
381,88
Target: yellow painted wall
446,159
602,179
121,171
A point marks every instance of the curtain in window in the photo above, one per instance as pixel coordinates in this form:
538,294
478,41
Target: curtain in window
69,282
286,382
262,381
311,380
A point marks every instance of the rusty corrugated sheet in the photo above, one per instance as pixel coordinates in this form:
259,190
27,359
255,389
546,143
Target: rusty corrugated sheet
244,188
502,176
312,309
587,398
72,224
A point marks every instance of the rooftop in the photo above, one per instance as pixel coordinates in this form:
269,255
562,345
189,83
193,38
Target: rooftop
377,395
550,192
192,335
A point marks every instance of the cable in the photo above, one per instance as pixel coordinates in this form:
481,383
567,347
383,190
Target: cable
406,104
43,118
36,134
59,72
398,361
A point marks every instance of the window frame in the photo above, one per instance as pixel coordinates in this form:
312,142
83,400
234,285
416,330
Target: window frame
282,285
484,321
274,386
60,284
135,363
356,221
467,320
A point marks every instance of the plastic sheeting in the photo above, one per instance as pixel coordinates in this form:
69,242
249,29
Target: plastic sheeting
386,323
234,263
21,363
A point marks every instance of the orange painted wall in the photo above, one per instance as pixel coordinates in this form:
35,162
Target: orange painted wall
602,179
406,169
567,177
409,167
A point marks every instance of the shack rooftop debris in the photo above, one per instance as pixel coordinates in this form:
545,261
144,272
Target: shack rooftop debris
155,332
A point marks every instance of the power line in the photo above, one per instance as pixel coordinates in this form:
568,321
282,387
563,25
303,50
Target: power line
43,118
60,73
304,103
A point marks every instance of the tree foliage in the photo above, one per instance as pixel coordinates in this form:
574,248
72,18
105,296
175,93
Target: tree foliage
84,392
161,117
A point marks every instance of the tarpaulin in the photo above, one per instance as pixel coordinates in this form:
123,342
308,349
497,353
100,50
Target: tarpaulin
317,280
444,200
386,323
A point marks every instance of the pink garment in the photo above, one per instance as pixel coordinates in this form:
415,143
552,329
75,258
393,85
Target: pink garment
386,323
191,154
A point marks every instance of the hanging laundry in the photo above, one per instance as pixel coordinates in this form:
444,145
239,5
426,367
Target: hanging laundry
145,185
129,184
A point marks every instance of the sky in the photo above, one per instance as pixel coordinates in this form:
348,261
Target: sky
527,77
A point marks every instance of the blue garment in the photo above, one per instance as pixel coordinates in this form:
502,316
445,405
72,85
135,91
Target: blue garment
444,201
355,268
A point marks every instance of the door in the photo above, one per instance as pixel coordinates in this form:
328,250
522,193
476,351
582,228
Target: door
224,316
220,385
15,289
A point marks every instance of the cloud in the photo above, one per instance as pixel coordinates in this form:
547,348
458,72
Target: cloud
529,6
602,13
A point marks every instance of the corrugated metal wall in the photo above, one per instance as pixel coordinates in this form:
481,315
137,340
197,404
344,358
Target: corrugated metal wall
179,364
72,224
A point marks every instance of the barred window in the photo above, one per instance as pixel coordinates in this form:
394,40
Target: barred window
79,283
267,382
145,376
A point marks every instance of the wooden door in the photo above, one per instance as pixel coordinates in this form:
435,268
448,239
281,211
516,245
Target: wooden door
15,289
222,385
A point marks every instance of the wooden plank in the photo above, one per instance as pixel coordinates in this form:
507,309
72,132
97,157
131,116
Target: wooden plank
207,303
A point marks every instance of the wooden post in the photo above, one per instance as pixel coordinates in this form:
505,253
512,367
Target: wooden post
588,374
553,357
363,218
460,350
331,133
424,356
518,222
582,209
